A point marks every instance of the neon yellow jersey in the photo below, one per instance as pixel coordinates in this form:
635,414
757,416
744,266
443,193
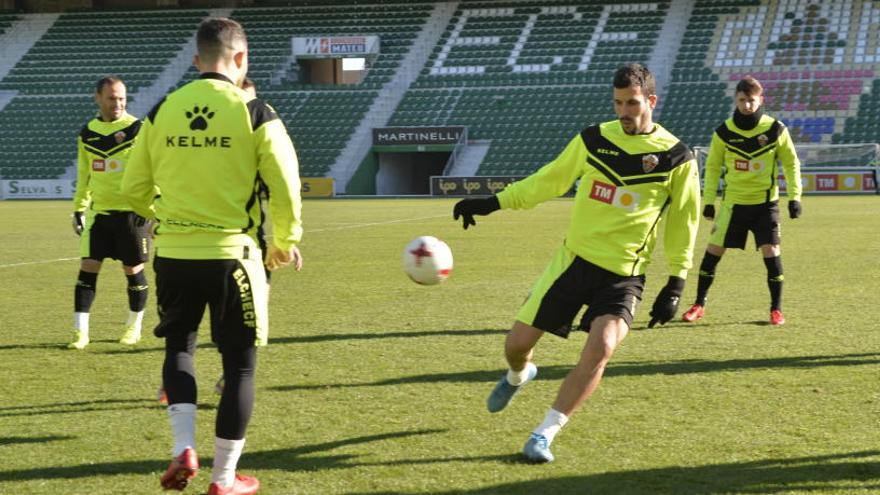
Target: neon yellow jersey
628,184
207,146
749,161
103,150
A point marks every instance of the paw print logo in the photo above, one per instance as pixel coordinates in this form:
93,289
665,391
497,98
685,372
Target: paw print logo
199,118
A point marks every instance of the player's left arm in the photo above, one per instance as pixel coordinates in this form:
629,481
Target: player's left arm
138,186
679,237
791,167
682,219
278,166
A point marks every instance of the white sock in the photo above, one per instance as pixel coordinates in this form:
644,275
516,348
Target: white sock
226,454
517,378
183,426
81,322
135,318
553,422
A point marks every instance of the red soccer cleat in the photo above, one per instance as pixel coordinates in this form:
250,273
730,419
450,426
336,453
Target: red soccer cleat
182,469
243,485
776,317
695,313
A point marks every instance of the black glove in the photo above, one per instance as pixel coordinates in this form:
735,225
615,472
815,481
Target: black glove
139,221
666,303
794,208
467,208
709,212
78,222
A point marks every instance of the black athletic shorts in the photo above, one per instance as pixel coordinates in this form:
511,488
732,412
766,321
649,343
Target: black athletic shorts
233,290
734,223
120,235
568,284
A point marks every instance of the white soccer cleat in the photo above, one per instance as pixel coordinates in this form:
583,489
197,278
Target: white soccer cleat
131,336
80,340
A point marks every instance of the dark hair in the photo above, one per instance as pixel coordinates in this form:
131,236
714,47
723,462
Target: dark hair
217,35
750,86
635,75
248,83
105,81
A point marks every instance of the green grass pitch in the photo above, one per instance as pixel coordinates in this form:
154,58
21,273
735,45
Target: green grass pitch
374,385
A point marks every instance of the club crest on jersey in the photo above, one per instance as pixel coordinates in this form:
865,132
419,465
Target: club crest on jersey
649,163
119,137
763,140
98,165
614,196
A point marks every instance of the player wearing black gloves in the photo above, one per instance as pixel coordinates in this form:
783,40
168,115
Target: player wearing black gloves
633,174
102,217
748,148
467,208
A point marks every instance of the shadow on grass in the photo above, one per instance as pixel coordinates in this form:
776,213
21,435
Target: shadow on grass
299,458
308,339
841,472
305,339
20,440
90,406
624,368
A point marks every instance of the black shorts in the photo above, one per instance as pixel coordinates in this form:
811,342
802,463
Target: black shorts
568,284
120,235
761,219
233,290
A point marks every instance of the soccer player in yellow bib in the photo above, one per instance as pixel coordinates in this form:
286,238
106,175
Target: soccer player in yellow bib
206,146
633,173
102,217
747,149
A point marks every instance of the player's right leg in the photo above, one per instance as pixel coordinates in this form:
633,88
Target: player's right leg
728,231
180,296
83,297
707,276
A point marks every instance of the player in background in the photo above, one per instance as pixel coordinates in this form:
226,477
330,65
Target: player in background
105,222
205,146
263,236
633,173
747,148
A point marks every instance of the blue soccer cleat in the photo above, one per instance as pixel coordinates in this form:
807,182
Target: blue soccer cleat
504,391
537,449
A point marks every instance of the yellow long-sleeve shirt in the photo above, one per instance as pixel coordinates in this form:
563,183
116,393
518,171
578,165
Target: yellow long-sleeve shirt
628,183
749,160
103,151
206,146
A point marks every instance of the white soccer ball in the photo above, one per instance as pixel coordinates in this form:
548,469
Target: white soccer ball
427,260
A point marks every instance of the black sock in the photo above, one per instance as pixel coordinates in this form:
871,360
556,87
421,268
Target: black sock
707,276
774,281
137,291
84,293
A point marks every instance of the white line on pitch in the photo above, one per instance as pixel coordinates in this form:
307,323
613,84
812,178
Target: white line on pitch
370,224
37,262
344,227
